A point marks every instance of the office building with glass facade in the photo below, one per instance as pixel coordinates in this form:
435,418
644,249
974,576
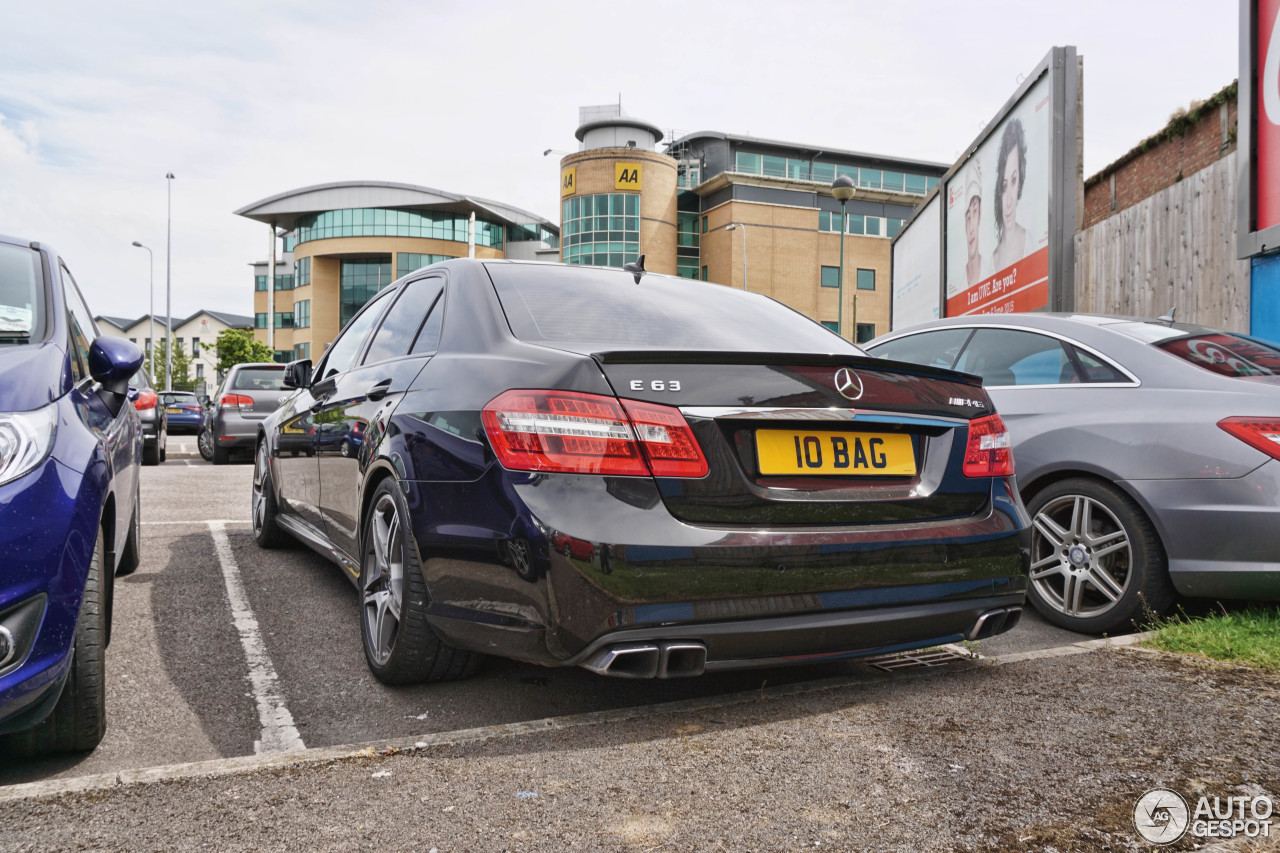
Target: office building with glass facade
740,211
338,244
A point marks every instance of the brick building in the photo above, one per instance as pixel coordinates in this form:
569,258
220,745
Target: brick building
1190,141
740,211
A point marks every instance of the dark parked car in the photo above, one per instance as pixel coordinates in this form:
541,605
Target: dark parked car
759,492
183,410
247,396
152,415
1148,455
70,449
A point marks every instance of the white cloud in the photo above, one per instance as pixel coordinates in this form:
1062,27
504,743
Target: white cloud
243,100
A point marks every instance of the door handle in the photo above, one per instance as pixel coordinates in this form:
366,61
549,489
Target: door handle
378,391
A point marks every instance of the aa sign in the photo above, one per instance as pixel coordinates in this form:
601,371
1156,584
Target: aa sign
1267,109
626,176
568,181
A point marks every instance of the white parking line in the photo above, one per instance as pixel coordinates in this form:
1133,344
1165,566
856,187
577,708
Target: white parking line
278,732
224,521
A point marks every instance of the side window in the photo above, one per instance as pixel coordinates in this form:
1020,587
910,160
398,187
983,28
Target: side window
1011,357
342,354
396,334
428,340
933,349
81,322
1097,370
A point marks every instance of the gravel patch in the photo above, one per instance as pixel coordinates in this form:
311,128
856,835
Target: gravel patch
1041,755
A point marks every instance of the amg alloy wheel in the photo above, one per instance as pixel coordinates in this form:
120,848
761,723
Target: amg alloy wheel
1096,562
265,529
399,645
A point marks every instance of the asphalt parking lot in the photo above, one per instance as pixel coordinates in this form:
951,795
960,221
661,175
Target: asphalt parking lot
221,649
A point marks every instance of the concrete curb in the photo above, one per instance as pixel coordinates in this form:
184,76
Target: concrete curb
323,755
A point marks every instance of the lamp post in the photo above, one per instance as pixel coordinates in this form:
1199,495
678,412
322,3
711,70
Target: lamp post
743,228
168,286
151,311
842,189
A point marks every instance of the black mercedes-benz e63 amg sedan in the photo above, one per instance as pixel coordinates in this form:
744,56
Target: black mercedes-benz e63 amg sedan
638,474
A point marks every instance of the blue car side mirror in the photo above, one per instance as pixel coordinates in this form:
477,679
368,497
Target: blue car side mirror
133,394
112,362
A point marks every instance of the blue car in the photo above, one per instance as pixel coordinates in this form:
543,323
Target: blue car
183,410
70,455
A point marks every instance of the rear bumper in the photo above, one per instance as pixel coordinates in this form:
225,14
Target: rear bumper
752,596
818,637
1222,536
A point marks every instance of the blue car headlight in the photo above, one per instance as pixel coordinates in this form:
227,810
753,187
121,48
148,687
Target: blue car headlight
25,440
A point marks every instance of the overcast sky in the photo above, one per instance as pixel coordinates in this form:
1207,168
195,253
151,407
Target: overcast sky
242,100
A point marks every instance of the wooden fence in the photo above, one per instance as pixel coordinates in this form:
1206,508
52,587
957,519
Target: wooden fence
1176,249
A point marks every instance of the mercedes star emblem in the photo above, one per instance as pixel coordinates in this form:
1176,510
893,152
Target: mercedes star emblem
848,384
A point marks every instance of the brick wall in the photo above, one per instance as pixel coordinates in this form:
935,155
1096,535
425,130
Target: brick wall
1163,159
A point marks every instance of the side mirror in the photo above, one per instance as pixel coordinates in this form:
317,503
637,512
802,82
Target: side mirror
133,394
112,362
297,374
204,399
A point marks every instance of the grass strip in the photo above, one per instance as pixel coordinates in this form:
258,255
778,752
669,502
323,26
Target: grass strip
1250,637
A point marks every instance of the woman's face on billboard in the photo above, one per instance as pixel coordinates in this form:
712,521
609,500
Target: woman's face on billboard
1010,185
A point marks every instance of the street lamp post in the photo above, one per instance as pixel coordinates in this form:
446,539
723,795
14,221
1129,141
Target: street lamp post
842,189
168,286
743,228
151,311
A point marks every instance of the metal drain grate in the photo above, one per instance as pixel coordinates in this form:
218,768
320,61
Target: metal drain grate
922,659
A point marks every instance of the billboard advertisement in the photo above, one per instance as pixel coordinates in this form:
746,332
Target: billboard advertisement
1258,223
1266,106
915,269
997,242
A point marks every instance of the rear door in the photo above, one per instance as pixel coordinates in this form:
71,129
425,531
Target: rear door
348,422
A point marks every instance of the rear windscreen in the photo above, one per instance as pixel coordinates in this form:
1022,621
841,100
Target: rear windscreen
1226,354
559,304
259,379
21,288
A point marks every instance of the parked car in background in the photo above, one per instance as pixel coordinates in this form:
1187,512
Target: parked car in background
757,491
182,410
70,451
246,397
154,419
1148,454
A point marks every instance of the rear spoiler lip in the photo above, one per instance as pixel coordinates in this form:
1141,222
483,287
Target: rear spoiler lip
865,362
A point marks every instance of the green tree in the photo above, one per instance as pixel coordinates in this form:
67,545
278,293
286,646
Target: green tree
238,346
182,380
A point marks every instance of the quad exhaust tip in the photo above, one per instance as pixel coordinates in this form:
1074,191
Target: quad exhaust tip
994,622
674,659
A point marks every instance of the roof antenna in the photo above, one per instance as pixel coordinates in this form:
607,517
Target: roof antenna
636,268
1168,318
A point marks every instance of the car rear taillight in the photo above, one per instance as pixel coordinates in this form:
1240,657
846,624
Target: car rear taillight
146,400
990,450
572,432
1259,433
668,442
229,400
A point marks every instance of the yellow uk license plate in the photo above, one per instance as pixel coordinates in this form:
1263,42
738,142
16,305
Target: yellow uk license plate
788,451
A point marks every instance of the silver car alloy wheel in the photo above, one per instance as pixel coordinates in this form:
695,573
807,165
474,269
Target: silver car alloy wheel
383,588
259,493
1080,556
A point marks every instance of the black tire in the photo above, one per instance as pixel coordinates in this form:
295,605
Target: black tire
162,441
79,720
221,455
204,441
263,504
404,650
151,452
131,554
568,552
1099,579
